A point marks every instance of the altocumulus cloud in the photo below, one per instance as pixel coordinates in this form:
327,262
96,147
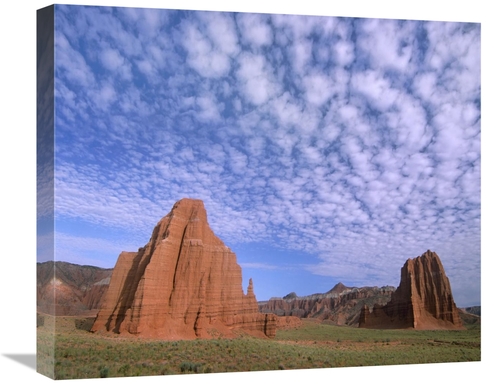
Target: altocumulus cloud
354,142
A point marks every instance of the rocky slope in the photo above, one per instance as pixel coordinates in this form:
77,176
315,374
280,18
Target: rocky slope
183,284
341,305
476,310
423,299
470,315
65,289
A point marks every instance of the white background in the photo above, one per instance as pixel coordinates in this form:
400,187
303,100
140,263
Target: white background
18,185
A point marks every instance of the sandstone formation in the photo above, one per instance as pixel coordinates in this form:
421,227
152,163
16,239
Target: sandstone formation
288,322
341,305
183,284
423,299
65,289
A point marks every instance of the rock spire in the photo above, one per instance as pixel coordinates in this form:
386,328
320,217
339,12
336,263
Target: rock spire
183,284
423,299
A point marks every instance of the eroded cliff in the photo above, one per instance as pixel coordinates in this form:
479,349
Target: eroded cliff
423,299
183,284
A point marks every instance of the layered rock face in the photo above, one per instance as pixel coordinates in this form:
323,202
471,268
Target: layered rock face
341,305
184,283
423,299
65,289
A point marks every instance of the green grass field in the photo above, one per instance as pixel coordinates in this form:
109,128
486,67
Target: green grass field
80,354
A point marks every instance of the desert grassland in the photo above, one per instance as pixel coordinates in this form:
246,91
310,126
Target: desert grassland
81,354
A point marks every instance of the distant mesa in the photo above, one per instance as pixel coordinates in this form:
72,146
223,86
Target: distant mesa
183,284
423,299
291,295
339,288
341,305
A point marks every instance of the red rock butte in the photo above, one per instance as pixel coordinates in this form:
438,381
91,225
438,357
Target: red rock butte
423,299
183,284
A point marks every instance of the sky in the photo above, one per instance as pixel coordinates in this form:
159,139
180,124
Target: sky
325,149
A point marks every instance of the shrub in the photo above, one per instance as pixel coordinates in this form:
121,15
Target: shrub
208,369
104,372
40,320
191,367
124,369
84,324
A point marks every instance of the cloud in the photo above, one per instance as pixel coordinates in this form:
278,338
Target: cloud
301,52
257,82
104,96
72,64
389,44
318,88
376,88
344,52
354,142
222,31
114,61
211,52
255,29
83,250
208,108
258,266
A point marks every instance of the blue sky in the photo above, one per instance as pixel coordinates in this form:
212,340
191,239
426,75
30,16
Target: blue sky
325,149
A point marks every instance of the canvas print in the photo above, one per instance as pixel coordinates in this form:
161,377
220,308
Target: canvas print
235,192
